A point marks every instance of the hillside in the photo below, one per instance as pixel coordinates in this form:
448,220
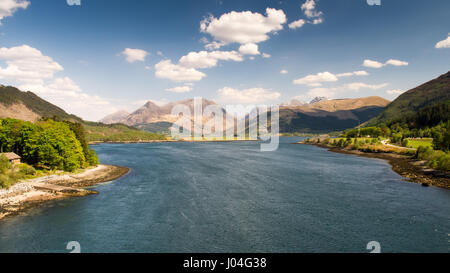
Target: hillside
99,132
409,103
28,106
330,115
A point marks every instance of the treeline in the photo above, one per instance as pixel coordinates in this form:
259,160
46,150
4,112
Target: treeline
60,145
98,132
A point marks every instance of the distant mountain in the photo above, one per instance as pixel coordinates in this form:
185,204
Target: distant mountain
28,106
115,117
293,102
330,115
317,99
154,118
409,103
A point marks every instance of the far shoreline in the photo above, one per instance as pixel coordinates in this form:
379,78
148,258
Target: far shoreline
412,170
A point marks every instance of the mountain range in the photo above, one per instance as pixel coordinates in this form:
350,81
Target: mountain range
321,115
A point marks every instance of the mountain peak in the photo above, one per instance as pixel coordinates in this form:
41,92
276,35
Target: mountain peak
318,99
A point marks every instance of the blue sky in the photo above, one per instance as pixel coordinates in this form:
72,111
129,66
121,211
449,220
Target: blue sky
76,57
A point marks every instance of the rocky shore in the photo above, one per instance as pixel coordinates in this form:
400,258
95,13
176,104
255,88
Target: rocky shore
413,170
33,192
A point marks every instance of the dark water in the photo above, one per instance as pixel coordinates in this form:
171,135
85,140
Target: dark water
229,197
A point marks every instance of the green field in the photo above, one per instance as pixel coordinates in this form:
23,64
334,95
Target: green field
416,143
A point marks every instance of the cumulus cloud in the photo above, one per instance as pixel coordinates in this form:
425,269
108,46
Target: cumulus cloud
178,73
309,8
228,95
180,89
134,55
284,71
395,92
249,49
318,78
266,55
297,24
372,64
444,43
314,16
8,7
376,64
27,64
205,59
396,63
355,73
359,85
243,27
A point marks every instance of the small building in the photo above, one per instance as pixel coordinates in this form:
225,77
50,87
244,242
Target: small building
12,157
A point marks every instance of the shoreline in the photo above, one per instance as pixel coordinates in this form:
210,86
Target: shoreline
169,141
34,192
414,171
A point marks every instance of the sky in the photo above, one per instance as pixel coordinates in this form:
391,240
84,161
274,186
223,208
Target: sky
95,57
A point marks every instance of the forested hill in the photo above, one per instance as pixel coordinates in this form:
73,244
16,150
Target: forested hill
434,92
28,106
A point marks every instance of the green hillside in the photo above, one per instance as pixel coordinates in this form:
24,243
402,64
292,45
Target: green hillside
99,132
408,104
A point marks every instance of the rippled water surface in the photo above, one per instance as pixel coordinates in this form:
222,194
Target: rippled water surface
230,197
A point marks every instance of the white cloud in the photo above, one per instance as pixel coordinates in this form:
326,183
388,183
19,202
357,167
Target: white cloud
134,55
395,92
266,55
444,43
243,27
376,64
284,71
359,85
205,59
180,89
8,7
228,95
355,73
318,78
297,24
372,64
249,49
27,64
317,21
178,73
396,63
309,8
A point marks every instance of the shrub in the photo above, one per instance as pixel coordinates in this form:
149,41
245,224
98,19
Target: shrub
405,142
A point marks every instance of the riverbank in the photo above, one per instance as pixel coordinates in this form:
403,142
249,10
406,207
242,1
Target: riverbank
171,140
413,170
33,192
